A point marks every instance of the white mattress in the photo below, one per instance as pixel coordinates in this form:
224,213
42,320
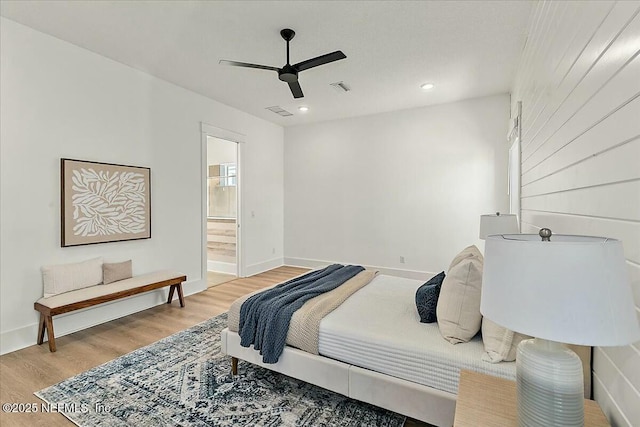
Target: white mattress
378,328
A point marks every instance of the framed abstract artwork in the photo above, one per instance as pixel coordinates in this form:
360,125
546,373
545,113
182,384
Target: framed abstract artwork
104,202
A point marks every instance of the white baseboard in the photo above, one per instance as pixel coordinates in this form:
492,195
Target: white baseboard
316,263
18,338
222,267
69,323
261,267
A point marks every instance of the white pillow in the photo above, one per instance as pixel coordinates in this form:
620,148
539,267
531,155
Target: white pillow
468,252
458,309
62,278
500,344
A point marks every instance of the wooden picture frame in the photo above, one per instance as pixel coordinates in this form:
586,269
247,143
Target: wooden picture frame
103,202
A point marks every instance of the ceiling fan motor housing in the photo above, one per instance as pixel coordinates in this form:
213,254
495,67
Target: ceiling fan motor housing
288,74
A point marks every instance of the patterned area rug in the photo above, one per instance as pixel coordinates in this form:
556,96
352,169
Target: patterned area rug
184,380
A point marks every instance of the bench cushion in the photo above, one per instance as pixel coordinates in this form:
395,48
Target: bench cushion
102,290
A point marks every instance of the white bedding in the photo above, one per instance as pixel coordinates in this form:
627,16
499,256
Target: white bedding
380,330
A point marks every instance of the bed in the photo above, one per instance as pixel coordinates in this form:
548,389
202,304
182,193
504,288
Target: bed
373,348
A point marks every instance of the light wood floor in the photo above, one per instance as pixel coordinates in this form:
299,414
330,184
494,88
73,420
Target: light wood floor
31,369
214,278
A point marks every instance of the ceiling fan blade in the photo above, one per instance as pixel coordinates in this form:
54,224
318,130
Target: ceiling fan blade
296,90
320,60
247,65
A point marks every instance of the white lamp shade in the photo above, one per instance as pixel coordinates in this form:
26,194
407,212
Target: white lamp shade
572,289
498,224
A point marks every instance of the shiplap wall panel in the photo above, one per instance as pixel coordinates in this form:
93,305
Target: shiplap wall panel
608,404
580,93
617,201
620,127
588,19
543,21
620,52
589,45
552,29
617,384
627,231
607,168
617,92
612,25
591,18
583,24
593,82
623,358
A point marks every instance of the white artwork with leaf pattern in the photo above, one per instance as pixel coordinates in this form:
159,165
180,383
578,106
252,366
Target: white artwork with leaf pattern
104,202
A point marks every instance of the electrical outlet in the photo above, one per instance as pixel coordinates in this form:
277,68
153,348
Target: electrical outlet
253,214
273,250
401,259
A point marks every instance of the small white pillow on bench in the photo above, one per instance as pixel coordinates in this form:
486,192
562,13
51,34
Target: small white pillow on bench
62,278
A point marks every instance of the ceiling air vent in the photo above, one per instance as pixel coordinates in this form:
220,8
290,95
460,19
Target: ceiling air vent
279,110
340,86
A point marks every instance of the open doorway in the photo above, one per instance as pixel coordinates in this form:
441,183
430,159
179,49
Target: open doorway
222,210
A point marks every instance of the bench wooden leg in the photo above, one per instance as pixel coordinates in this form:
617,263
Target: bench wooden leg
174,288
234,366
180,297
171,290
41,329
52,340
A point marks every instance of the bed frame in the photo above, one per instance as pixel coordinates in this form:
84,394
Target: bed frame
404,397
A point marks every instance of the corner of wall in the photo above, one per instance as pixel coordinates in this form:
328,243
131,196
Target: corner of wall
261,267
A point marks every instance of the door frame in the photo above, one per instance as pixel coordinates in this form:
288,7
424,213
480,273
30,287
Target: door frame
515,166
208,130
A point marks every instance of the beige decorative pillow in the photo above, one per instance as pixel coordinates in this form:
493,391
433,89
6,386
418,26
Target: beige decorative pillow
116,271
500,344
468,252
61,278
458,309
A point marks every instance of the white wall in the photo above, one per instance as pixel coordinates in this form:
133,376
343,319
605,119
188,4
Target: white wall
579,82
409,183
58,100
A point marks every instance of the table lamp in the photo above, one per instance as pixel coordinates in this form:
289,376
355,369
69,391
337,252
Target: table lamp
498,224
557,289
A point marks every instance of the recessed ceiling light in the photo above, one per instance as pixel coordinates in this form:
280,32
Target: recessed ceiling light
427,86
303,108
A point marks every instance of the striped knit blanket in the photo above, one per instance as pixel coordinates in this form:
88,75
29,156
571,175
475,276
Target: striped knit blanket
265,317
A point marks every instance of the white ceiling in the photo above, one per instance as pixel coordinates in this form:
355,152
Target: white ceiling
467,48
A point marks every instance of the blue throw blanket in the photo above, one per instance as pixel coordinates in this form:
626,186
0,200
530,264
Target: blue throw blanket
265,317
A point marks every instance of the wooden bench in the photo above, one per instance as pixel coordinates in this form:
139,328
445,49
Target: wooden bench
94,295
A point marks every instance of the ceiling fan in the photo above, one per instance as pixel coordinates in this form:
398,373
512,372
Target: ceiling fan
289,73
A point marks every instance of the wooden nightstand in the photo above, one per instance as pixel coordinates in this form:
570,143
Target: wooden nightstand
489,401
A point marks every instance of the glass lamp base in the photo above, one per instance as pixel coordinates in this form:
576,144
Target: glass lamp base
550,385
